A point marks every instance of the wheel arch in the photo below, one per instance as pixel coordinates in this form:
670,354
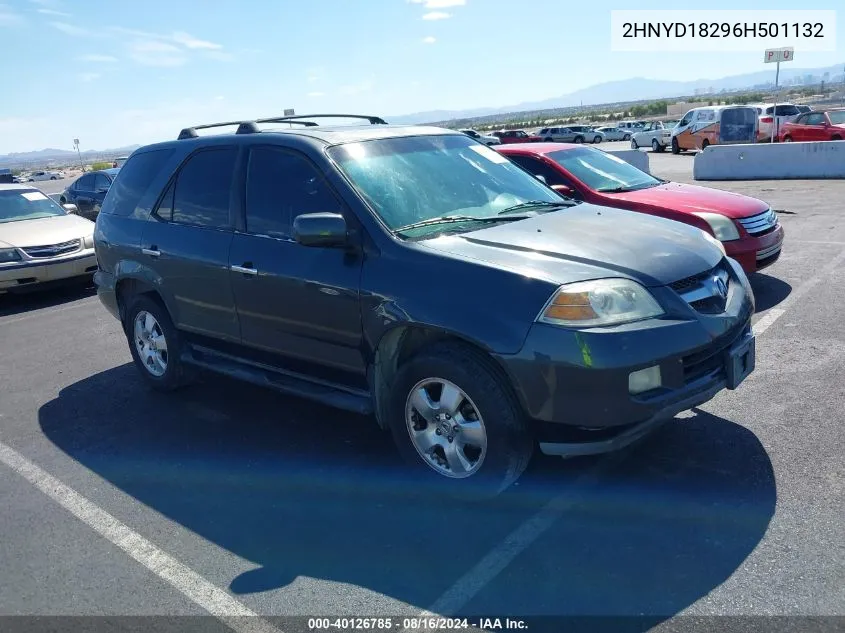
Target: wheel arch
132,280
402,342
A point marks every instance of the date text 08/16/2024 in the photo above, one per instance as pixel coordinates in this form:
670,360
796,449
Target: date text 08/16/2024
414,624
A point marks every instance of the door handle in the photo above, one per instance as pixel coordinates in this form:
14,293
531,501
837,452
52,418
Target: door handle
152,251
245,269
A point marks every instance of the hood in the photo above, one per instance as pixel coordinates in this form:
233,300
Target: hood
589,242
44,231
692,198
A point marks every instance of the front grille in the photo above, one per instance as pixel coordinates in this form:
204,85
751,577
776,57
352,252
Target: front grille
768,252
706,292
53,250
761,223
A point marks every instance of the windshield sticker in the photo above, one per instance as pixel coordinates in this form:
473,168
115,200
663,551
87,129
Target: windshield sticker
490,154
32,196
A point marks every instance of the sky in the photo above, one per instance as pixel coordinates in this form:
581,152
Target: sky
119,72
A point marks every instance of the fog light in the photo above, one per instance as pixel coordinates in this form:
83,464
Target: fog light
644,380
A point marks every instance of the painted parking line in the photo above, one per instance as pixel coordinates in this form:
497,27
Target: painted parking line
205,594
497,560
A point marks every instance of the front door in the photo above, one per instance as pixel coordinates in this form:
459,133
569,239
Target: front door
298,304
187,240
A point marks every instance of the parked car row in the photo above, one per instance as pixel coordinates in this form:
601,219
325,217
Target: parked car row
560,321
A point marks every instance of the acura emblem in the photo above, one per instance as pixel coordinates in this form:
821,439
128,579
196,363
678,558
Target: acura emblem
721,288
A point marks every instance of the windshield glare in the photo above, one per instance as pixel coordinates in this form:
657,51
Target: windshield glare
602,171
837,118
411,179
27,204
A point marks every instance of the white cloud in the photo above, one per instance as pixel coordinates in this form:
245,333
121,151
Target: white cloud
189,41
8,17
429,40
70,29
437,15
60,14
105,59
89,76
439,4
316,94
154,53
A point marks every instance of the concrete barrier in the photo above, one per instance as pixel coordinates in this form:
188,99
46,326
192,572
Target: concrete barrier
634,156
771,161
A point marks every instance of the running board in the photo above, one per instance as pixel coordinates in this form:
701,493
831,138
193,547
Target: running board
354,400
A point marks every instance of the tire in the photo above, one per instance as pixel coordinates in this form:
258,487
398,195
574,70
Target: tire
174,374
627,137
676,149
597,140
835,138
578,139
52,177
787,139
548,140
483,395
705,144
634,144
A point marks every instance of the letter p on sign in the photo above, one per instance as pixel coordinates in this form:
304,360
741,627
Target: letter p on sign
785,54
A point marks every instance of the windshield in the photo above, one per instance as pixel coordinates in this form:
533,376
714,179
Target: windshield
837,118
601,171
26,204
412,179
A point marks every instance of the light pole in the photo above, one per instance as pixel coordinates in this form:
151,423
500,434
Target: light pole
78,153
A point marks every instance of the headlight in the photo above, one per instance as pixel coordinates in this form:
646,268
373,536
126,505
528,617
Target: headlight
88,241
600,302
715,242
9,255
723,227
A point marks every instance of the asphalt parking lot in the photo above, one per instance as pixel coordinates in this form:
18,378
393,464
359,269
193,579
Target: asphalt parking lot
224,497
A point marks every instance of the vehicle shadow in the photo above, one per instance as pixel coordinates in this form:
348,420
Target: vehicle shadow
48,296
768,291
304,491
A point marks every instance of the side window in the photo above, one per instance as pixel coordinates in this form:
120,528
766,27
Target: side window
801,120
133,180
686,120
280,186
203,188
86,183
536,167
814,119
101,182
164,210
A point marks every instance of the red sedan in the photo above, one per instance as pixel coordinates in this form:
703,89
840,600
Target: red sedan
821,125
516,136
748,228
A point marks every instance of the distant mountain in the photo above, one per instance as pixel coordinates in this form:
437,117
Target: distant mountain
629,90
49,154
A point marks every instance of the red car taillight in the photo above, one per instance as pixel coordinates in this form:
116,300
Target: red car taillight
766,119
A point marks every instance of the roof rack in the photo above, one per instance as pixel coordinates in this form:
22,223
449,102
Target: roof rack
251,127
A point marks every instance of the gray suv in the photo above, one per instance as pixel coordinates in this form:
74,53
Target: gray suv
414,274
571,134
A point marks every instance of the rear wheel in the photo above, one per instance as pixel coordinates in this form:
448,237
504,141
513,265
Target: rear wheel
787,139
597,139
454,419
676,149
705,144
836,137
579,139
627,137
154,343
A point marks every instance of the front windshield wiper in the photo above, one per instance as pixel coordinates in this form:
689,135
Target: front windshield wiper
449,219
522,206
632,187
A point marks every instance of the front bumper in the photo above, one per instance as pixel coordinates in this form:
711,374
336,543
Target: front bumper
574,384
21,275
756,253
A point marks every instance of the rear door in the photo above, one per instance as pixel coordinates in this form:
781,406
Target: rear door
814,128
83,194
298,304
101,188
186,243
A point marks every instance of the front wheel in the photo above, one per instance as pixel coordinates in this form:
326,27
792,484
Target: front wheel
787,139
676,149
455,419
597,139
52,177
634,144
579,139
627,137
705,144
154,343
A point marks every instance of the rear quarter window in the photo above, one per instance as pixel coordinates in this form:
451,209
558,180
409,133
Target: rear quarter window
133,180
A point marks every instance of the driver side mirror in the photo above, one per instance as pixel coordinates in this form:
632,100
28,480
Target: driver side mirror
564,190
540,178
70,208
320,229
